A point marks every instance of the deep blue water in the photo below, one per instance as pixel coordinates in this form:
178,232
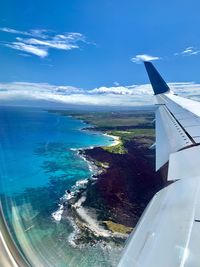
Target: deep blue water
37,165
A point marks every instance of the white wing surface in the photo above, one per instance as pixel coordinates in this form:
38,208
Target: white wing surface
168,234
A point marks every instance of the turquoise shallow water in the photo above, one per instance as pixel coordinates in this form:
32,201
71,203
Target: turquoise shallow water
37,165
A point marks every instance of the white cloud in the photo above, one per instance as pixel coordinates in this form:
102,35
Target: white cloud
9,30
63,45
40,87
42,33
133,95
70,37
116,90
144,57
134,90
103,96
40,52
42,40
188,51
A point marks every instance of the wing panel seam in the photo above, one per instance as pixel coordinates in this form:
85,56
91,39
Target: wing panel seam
188,135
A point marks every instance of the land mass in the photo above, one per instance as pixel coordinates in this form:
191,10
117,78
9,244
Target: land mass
117,196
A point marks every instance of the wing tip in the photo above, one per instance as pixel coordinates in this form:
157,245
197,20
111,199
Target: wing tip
158,84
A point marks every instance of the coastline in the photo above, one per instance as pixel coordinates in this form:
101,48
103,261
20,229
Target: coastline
83,219
103,206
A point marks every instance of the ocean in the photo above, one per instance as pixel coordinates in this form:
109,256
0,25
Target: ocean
38,163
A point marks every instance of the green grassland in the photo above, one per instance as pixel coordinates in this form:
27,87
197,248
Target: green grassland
126,136
117,149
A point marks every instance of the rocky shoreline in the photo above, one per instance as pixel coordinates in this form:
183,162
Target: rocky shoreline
106,207
88,229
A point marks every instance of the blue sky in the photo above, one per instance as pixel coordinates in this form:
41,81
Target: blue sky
89,44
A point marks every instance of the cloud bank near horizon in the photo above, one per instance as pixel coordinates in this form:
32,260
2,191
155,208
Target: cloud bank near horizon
125,96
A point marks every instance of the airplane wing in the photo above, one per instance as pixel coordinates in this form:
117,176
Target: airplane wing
168,234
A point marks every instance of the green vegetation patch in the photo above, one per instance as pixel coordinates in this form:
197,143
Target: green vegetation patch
128,135
117,227
117,149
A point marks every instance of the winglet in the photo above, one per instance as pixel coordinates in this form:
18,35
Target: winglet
157,82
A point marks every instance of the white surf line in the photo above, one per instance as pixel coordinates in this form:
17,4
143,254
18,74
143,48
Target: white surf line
90,222
57,215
